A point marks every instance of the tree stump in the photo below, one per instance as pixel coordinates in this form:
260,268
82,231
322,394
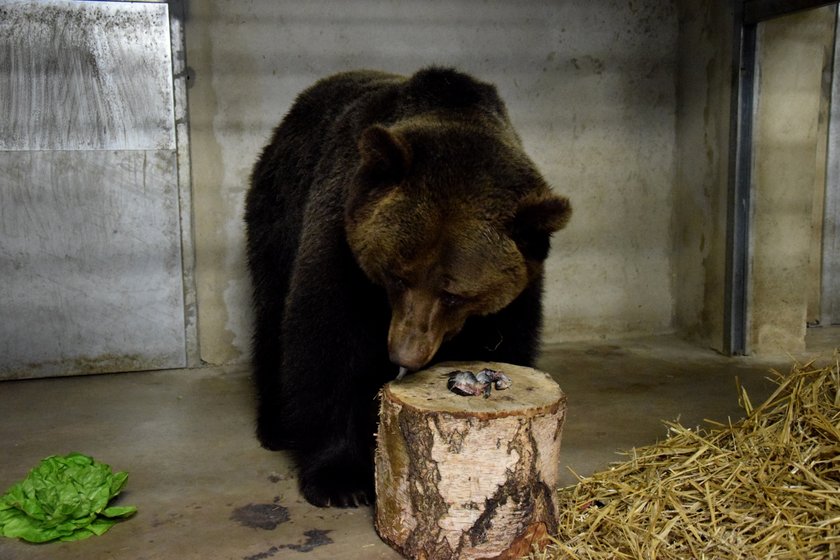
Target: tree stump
467,476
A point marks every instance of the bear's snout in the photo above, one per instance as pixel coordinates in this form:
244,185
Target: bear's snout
411,348
418,327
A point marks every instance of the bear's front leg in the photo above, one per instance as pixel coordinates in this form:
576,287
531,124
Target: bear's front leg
331,411
334,361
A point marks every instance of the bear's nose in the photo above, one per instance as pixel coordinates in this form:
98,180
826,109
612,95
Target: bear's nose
412,360
417,329
410,348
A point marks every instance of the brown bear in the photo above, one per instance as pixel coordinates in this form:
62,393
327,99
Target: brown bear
391,222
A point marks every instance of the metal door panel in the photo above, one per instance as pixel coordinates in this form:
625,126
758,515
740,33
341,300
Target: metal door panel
91,274
85,75
91,262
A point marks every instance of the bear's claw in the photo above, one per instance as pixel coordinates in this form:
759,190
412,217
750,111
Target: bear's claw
343,487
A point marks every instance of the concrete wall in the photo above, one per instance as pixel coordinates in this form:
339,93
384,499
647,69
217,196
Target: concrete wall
793,53
703,98
590,86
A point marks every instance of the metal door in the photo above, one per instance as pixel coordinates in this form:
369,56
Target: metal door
91,275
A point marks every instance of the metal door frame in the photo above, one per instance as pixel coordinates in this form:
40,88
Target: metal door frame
747,14
180,78
830,299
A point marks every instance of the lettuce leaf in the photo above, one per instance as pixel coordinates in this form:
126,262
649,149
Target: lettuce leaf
63,498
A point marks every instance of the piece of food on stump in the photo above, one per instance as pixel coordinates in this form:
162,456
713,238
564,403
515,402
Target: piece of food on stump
499,380
467,383
464,477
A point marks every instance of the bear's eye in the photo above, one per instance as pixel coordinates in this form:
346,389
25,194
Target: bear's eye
452,300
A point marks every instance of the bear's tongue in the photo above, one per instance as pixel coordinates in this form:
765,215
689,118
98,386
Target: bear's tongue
401,374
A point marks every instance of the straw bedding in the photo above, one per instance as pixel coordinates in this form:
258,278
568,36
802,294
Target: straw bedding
766,487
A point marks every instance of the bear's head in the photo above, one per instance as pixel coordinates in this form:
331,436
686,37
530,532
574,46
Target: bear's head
452,220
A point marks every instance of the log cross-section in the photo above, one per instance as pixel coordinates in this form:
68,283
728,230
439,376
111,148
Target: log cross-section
468,477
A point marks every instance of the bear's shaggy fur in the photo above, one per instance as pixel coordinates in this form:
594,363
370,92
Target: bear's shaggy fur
391,221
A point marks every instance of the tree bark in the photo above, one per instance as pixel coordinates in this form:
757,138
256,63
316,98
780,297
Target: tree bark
464,476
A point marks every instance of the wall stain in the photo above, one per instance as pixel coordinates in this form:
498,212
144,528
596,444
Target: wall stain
588,64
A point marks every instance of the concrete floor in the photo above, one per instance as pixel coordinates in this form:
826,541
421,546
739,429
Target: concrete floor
206,490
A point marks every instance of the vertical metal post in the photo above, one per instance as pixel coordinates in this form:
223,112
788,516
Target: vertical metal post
830,285
180,77
740,179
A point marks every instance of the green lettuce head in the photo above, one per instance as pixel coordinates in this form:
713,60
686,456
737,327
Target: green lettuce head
63,498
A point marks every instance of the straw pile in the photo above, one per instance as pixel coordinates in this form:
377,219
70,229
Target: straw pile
766,487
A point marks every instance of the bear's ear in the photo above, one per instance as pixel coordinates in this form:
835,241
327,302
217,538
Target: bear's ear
536,218
386,156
